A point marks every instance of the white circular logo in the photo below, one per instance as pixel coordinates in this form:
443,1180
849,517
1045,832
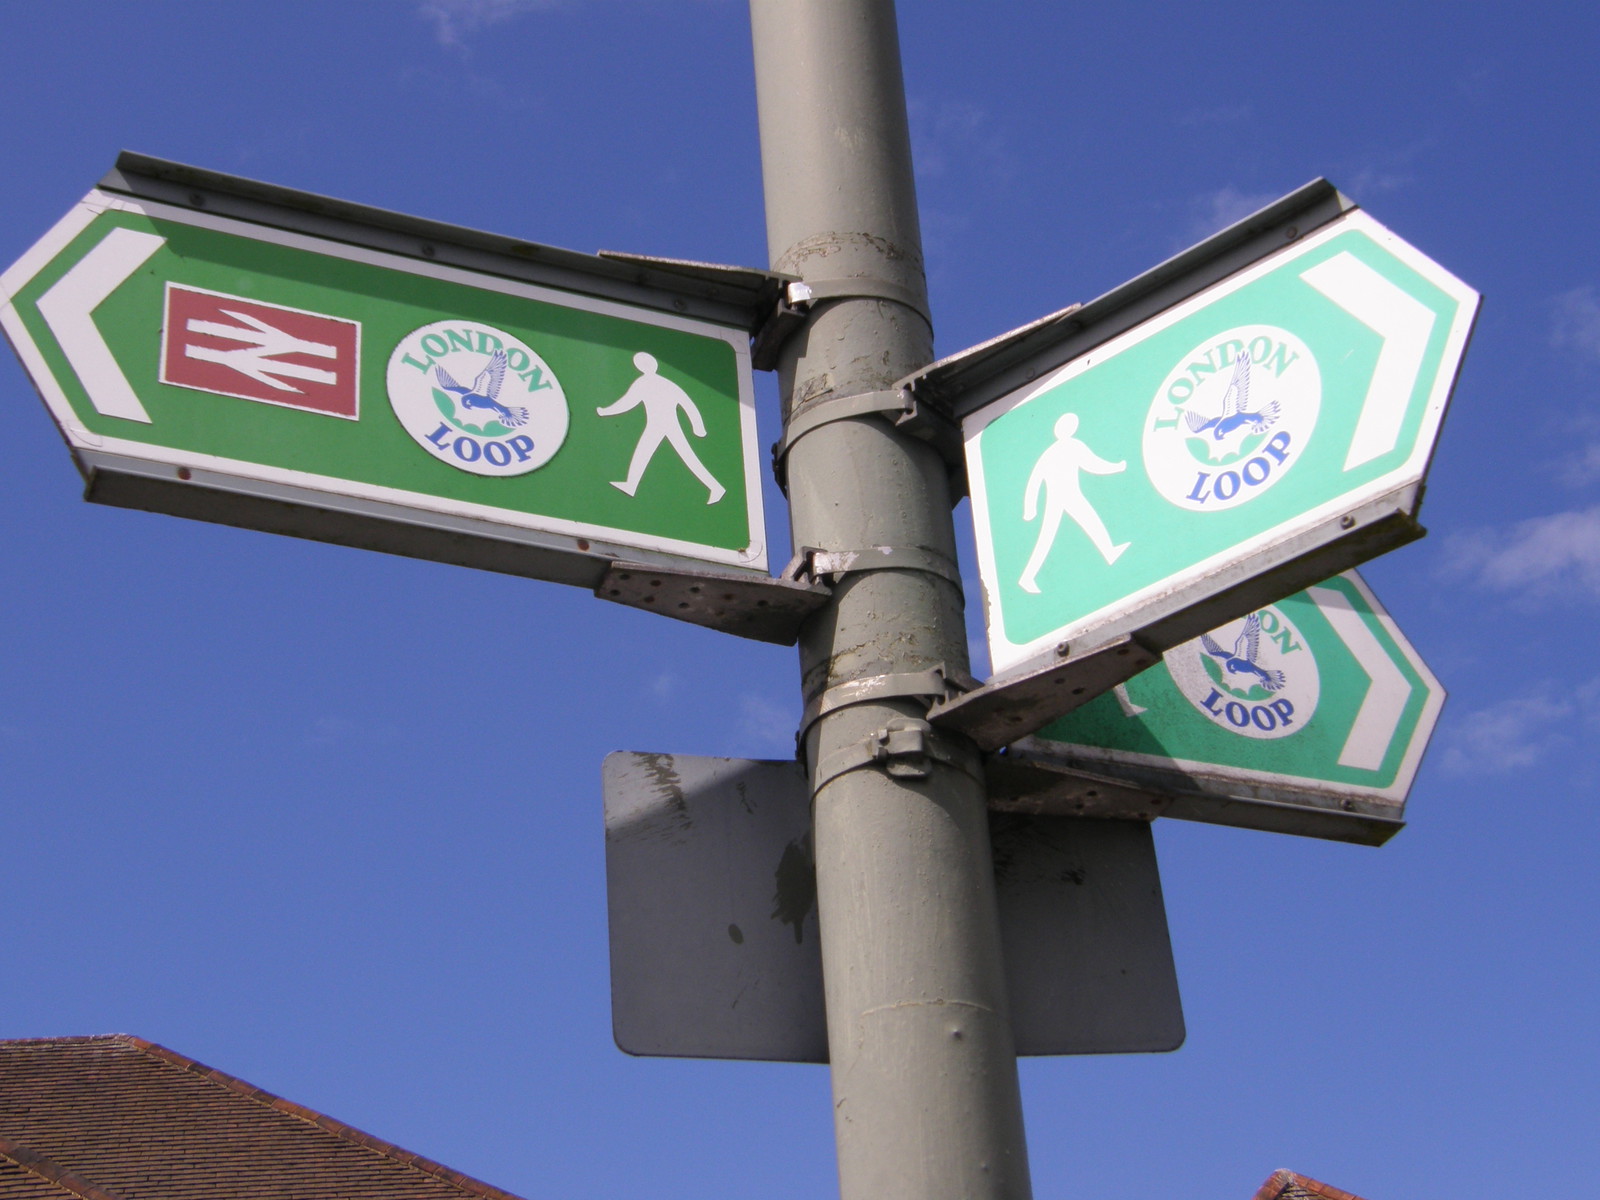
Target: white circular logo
1232,418
477,398
1255,676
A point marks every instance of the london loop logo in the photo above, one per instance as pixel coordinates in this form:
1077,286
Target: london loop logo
1255,676
477,398
1232,418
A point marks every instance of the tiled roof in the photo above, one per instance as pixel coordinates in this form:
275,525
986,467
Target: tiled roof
1286,1185
120,1118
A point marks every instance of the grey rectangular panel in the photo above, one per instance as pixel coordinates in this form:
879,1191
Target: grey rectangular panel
714,943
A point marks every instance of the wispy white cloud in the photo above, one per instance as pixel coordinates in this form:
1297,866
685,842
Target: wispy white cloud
1582,467
955,139
1575,323
1221,208
456,20
1556,557
1516,733
769,726
1371,181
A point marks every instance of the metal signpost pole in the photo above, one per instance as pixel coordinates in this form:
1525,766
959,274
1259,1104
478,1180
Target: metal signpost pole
926,1100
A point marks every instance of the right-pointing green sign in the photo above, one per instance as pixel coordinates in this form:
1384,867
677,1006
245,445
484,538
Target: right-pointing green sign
1208,446
1317,702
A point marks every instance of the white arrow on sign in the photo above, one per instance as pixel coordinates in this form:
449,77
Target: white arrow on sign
68,309
1403,323
1378,719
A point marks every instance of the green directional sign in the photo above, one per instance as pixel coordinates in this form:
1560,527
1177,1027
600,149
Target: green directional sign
1314,705
233,370
1242,428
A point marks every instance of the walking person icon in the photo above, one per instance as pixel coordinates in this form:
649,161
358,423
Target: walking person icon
1056,476
661,399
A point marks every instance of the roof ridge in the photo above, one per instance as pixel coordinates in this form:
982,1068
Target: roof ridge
70,1037
48,1169
311,1116
1282,1181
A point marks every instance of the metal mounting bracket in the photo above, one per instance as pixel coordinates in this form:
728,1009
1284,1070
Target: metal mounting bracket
998,713
752,606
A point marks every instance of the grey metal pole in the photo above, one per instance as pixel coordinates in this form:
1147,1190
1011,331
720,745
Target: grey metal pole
926,1101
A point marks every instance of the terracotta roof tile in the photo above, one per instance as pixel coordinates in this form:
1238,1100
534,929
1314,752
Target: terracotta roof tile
1286,1185
120,1118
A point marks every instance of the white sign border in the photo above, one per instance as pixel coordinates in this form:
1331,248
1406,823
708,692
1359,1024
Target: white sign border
44,251
1006,656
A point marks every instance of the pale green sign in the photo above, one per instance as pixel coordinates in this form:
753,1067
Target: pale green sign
1258,409
1317,694
208,348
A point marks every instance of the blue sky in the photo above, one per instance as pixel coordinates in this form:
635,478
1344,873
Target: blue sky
282,807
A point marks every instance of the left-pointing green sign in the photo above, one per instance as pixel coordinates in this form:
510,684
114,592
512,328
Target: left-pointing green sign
261,375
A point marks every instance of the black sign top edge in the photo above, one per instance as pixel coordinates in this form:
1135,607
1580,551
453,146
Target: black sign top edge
965,381
737,297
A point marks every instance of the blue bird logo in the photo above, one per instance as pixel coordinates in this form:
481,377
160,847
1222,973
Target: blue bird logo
484,392
1235,414
1242,659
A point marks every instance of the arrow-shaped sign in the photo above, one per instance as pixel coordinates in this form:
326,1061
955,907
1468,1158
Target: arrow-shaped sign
1263,431
1306,716
523,410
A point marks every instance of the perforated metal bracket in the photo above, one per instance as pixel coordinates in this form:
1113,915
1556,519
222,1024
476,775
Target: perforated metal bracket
751,606
897,406
1000,712
906,748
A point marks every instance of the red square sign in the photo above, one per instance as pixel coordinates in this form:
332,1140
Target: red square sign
231,346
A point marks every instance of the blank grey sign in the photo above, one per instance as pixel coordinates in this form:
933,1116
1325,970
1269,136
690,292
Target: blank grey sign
714,948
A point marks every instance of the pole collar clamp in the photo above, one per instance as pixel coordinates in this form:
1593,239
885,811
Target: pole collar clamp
896,405
827,566
906,748
936,683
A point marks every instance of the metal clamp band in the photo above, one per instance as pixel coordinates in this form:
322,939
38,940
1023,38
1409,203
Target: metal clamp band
860,287
906,748
819,563
896,405
933,684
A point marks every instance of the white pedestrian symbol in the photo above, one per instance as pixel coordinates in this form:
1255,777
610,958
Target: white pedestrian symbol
661,399
1056,475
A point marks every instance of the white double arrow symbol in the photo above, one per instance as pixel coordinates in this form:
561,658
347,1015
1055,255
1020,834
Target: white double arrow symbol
265,344
1403,322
